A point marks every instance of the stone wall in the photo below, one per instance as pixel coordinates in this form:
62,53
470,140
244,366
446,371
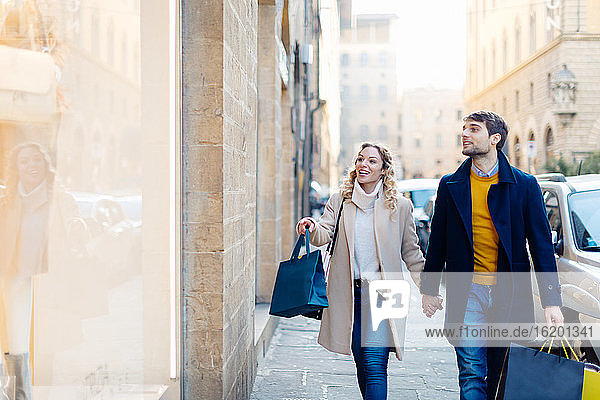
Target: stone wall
219,196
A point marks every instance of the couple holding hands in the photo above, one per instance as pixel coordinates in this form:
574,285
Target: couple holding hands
485,214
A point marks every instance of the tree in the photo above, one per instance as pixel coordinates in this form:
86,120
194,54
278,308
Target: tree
591,165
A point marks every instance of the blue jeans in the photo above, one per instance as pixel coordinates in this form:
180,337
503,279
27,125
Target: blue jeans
479,366
371,362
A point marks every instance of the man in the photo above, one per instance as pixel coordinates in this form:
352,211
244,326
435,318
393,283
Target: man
484,214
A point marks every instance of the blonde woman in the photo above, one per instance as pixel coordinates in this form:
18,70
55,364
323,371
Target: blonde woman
376,236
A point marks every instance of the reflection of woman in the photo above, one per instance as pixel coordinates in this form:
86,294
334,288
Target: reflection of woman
28,210
376,234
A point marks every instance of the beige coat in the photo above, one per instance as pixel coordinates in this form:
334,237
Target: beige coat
396,244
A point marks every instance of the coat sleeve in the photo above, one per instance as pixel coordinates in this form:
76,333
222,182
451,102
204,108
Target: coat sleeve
410,251
537,232
325,226
436,249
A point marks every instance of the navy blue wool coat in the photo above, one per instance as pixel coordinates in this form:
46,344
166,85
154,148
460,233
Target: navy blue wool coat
518,213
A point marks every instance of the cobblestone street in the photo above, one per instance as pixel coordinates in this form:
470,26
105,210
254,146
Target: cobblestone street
296,367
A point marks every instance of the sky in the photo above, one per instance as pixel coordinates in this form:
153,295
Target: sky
432,40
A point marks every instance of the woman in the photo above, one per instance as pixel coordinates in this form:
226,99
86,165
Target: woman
376,234
31,211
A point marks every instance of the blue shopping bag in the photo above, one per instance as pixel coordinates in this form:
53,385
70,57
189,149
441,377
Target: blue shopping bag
537,375
300,284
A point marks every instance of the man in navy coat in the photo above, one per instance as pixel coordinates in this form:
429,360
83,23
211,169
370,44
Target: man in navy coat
485,213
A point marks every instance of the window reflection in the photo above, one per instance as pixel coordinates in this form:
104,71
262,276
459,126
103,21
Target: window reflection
74,292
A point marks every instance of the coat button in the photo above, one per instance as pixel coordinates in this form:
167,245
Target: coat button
549,287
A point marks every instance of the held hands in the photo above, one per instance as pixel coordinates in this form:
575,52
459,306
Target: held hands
431,304
304,224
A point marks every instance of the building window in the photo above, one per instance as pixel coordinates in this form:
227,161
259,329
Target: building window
548,85
459,140
438,115
516,100
530,93
382,59
399,141
532,40
363,93
549,26
383,92
517,43
459,115
102,161
363,132
417,143
95,31
438,140
345,93
364,59
382,133
345,60
399,122
124,49
110,43
504,106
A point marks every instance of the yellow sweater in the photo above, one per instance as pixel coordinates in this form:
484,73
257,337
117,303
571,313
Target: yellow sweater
485,237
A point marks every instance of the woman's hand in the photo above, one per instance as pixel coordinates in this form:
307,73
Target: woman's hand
305,223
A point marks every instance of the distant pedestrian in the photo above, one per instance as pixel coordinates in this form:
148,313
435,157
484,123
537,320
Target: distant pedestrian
376,235
484,214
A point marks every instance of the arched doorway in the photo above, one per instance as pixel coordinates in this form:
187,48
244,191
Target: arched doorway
531,153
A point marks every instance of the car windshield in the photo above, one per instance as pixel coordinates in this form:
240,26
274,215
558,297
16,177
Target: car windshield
585,218
420,197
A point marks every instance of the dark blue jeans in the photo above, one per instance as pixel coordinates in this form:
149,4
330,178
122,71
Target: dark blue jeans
371,362
479,366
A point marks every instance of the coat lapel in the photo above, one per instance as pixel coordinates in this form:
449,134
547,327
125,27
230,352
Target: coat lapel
459,187
349,217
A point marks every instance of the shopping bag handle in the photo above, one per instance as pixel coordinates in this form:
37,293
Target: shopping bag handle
299,244
563,340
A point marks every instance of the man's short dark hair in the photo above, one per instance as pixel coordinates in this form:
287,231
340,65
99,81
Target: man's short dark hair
494,124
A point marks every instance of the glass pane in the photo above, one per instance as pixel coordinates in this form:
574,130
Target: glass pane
84,276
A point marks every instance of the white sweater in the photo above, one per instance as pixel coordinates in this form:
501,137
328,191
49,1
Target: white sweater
366,265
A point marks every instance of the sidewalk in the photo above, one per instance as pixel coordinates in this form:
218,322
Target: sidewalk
296,367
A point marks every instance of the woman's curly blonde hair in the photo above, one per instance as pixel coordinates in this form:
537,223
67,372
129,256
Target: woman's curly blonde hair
389,183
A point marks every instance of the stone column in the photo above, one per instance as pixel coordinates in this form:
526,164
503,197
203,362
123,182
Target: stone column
219,196
269,150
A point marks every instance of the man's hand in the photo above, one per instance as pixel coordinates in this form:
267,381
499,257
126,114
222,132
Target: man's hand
553,316
431,304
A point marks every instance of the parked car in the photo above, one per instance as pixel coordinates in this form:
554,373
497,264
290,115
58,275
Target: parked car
419,191
573,211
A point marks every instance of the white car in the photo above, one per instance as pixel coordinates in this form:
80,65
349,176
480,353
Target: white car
419,191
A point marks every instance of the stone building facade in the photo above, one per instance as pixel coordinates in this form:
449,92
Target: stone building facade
429,141
537,64
368,84
248,104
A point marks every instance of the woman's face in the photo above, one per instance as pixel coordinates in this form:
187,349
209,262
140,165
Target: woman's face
31,167
369,166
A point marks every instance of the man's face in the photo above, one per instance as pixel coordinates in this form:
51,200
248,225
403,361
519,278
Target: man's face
476,140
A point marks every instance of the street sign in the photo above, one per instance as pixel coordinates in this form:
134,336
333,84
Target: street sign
531,148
